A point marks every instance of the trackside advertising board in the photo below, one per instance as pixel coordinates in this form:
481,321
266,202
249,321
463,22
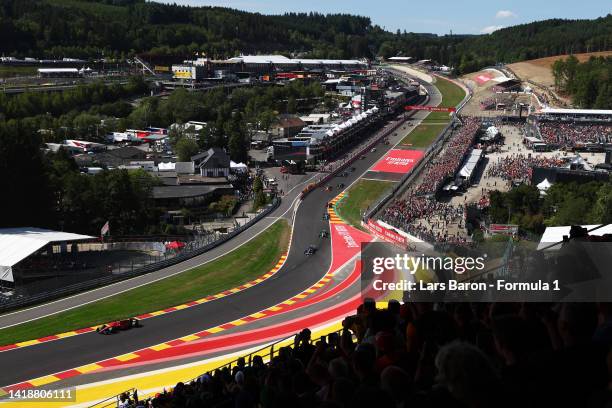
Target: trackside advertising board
398,161
386,234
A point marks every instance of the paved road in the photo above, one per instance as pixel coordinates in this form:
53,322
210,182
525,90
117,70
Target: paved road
60,305
298,273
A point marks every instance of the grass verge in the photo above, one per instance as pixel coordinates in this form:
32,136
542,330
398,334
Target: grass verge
360,196
239,266
451,96
423,135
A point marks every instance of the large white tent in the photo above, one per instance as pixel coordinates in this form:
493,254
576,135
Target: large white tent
553,235
543,186
241,167
16,244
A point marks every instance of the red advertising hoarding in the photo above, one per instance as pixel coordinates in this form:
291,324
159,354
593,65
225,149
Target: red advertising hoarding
398,161
386,234
430,108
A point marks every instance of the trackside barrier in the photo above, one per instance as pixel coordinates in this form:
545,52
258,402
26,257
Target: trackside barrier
386,234
96,283
266,353
115,400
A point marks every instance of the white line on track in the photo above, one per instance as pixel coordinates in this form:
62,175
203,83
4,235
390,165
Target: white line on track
136,277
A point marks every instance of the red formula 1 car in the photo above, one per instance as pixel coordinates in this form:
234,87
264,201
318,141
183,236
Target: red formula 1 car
118,325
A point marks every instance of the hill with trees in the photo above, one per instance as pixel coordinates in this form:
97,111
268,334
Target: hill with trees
588,82
115,28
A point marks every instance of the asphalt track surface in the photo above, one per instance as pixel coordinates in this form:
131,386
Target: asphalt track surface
298,273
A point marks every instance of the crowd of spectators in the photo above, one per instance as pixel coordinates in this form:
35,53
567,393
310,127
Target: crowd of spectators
519,167
446,164
412,207
569,135
243,183
425,355
425,217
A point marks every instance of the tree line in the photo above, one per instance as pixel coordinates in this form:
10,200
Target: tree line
564,204
588,83
96,28
91,111
47,190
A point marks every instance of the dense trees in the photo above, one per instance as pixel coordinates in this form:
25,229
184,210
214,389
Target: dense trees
92,28
27,196
48,191
229,119
589,83
563,204
57,103
185,149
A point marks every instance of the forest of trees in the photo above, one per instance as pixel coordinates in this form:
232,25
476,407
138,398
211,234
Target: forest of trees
116,28
588,83
563,204
48,190
91,111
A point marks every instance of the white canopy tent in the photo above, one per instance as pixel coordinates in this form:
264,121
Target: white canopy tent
238,166
16,244
544,185
166,166
470,164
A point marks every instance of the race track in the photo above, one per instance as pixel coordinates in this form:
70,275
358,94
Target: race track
298,273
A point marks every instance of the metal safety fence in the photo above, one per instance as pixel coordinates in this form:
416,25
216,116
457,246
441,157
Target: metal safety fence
132,269
266,353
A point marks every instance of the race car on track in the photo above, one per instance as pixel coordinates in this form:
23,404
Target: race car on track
310,250
118,325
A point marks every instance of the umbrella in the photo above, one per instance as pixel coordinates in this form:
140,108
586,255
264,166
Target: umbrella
175,245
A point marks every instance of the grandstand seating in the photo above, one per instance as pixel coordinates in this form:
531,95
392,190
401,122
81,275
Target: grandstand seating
447,163
424,355
573,134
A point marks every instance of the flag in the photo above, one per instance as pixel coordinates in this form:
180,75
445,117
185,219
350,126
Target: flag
6,273
105,229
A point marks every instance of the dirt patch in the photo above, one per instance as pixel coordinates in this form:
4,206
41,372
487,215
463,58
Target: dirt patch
538,70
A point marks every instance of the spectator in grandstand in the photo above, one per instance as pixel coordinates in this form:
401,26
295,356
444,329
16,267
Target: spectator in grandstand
519,167
448,161
415,355
424,217
571,134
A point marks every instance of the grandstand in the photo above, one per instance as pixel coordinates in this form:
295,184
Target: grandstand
572,129
441,168
419,355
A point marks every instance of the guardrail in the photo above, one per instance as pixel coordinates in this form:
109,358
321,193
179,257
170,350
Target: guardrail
268,355
96,283
115,400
